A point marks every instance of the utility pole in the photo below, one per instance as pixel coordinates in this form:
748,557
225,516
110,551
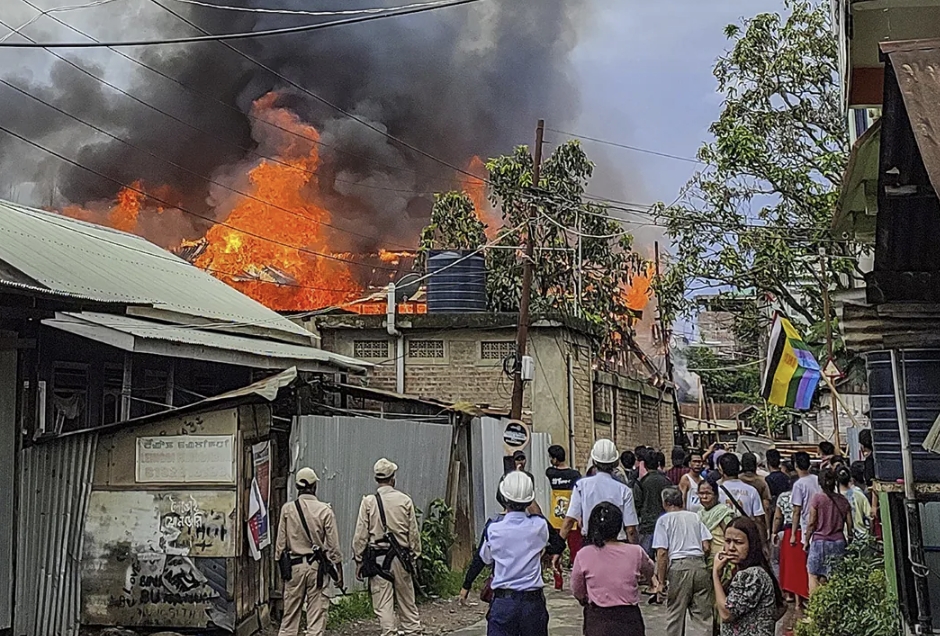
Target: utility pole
522,334
834,399
679,435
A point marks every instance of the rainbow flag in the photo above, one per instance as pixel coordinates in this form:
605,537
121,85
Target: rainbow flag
792,373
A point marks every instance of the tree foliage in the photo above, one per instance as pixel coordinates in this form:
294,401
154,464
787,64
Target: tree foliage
756,216
607,262
454,226
724,380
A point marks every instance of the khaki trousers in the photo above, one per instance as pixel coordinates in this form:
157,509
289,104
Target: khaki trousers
384,596
690,591
303,586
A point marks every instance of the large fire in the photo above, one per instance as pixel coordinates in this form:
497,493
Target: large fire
637,295
476,190
291,224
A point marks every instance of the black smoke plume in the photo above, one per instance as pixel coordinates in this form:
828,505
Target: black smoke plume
456,82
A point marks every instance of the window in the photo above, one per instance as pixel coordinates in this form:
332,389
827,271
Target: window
370,349
153,394
111,394
69,396
497,350
425,348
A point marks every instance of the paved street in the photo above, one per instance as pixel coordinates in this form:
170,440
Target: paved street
566,619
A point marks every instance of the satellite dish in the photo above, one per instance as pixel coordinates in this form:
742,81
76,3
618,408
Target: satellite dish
407,286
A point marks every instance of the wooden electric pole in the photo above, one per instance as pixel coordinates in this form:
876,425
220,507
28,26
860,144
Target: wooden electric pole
522,334
827,310
679,433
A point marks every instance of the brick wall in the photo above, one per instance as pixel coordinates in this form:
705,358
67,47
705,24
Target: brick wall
640,415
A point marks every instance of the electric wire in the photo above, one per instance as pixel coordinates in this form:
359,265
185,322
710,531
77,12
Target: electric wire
170,205
626,146
327,102
49,12
225,140
227,7
183,168
243,35
239,112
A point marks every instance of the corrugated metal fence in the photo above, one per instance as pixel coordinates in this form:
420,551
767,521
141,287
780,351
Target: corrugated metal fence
55,484
342,450
486,443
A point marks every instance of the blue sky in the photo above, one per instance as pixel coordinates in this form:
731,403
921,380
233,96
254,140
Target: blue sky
645,71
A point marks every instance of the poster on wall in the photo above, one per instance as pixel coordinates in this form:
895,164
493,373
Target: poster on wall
186,459
261,456
259,524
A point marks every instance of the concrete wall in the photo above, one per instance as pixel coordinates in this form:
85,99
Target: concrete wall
640,416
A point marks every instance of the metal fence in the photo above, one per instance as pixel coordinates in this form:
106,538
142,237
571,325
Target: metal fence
55,484
343,450
487,452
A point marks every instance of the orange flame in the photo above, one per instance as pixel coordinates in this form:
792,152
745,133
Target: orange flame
476,190
283,270
639,292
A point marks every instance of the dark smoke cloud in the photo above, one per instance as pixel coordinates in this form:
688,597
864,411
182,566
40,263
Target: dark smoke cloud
456,82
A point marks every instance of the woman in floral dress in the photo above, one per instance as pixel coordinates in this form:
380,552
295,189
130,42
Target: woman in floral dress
749,605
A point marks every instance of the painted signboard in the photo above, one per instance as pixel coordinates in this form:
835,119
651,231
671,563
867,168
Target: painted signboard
158,558
186,459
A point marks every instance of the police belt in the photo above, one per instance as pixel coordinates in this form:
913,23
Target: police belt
297,559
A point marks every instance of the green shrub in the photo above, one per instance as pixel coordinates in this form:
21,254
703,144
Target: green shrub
355,606
434,575
855,601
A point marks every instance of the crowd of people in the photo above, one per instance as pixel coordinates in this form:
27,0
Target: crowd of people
724,540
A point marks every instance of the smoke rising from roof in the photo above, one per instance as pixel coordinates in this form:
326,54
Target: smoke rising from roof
455,82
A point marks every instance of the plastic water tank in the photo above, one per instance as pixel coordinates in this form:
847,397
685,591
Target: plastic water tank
922,368
457,283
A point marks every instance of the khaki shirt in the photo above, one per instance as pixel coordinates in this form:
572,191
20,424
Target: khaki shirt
322,523
400,516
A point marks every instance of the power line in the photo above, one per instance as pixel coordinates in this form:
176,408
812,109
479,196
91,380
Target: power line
225,140
627,147
222,37
44,12
239,112
225,7
176,165
184,210
327,102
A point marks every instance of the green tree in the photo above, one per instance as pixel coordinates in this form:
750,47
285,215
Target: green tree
725,380
757,214
454,226
607,262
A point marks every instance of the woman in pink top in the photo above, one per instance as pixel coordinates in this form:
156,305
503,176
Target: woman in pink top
606,577
830,525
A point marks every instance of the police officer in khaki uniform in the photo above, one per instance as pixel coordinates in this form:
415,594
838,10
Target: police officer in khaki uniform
307,582
403,526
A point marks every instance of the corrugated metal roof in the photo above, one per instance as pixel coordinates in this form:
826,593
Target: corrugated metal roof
90,261
143,336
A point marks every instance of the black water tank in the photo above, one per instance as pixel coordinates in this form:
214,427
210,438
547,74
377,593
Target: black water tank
457,283
923,405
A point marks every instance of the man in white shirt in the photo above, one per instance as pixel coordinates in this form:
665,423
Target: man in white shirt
682,540
590,491
739,496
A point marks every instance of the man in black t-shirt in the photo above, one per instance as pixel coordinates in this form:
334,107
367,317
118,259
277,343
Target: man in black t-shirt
562,479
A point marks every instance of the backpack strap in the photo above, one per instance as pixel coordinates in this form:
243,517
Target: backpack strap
733,500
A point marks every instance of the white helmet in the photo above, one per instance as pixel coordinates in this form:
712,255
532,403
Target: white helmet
517,487
306,477
604,452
